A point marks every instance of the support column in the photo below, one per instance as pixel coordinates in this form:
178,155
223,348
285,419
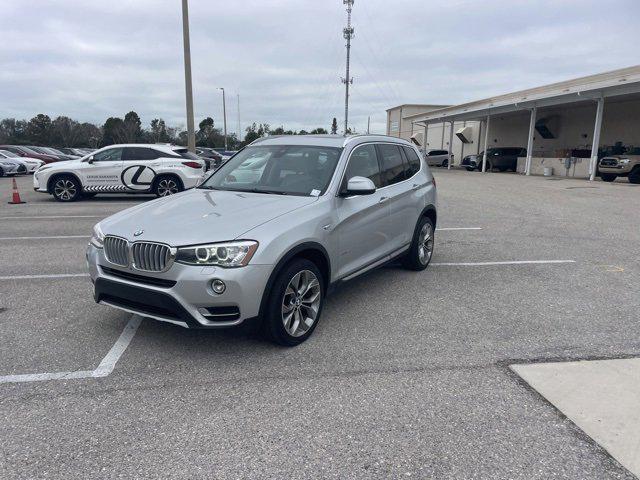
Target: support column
596,140
532,129
442,141
450,147
426,133
486,141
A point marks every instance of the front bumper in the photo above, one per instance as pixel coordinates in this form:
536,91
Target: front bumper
182,295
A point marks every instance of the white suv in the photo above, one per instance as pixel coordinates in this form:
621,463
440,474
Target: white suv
131,168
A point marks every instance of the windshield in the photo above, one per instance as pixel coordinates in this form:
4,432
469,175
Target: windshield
281,169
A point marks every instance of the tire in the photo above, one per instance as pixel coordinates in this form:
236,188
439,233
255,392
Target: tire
608,177
502,169
286,305
634,176
421,251
1,172
66,188
165,185
445,163
470,169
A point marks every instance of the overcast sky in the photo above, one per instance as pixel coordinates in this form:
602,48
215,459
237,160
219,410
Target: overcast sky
94,59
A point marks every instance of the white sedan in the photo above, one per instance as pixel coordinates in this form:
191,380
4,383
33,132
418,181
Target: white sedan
32,164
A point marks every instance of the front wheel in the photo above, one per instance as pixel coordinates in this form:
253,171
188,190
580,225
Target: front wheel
419,255
295,303
66,189
166,185
470,169
445,163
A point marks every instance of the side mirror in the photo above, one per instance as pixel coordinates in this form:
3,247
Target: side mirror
89,159
360,186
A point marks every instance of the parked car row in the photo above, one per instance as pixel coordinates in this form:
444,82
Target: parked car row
46,154
13,164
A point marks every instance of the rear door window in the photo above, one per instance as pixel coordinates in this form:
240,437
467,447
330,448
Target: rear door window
392,163
140,153
414,161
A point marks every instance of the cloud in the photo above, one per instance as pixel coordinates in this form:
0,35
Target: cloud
285,58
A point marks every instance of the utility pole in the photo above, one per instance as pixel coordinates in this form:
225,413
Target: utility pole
348,35
191,133
368,124
239,128
224,114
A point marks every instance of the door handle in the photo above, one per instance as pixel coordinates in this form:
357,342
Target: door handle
383,199
416,186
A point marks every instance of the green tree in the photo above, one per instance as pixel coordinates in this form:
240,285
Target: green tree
334,126
65,132
39,129
113,131
132,127
318,131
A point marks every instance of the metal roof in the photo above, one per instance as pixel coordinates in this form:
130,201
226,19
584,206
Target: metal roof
609,84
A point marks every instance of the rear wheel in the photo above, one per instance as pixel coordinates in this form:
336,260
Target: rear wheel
634,176
470,169
445,163
608,177
1,172
66,188
295,303
166,185
421,250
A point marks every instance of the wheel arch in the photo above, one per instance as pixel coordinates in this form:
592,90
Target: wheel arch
311,251
430,212
166,174
56,175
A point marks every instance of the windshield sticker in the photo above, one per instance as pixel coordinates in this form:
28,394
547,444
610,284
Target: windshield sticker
315,193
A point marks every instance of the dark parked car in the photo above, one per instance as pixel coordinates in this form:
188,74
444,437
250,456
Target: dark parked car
212,159
27,152
502,158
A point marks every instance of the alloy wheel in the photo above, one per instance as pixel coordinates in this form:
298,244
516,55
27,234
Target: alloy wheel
166,187
65,189
301,303
425,243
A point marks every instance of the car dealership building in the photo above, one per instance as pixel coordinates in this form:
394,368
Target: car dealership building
566,125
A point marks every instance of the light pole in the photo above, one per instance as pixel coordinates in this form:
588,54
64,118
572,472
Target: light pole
224,114
239,126
191,133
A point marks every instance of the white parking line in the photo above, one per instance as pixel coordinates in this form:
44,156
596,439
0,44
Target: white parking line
44,238
106,366
32,277
483,264
457,228
41,217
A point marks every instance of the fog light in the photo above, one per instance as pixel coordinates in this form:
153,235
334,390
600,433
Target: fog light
218,286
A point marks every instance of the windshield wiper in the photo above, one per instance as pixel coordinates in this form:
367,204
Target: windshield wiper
258,190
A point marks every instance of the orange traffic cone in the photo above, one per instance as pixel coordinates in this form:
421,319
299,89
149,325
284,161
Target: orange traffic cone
16,195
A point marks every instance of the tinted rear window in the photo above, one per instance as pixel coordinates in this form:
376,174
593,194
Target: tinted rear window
414,161
392,163
184,153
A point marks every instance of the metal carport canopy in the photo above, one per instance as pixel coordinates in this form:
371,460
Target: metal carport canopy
610,84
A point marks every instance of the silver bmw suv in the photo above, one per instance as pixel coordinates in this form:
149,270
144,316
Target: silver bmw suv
269,234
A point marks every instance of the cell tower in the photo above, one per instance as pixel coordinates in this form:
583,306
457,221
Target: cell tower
348,35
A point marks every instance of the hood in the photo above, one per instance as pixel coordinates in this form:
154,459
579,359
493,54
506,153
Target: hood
200,216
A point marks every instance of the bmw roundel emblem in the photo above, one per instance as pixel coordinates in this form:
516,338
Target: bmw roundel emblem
137,233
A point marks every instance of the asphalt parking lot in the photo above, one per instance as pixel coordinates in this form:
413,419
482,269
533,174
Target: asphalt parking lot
406,375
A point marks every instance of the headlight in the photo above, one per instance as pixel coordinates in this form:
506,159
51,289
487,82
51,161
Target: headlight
7,164
97,239
623,161
226,254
